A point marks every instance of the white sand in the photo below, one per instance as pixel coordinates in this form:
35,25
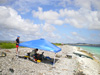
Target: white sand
64,65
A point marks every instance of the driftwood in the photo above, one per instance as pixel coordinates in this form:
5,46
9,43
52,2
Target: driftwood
82,55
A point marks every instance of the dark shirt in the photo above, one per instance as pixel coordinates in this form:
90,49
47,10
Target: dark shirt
33,53
17,41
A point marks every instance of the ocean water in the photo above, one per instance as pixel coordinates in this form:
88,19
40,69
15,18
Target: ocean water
92,49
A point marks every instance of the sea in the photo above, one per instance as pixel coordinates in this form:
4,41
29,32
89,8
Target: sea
92,49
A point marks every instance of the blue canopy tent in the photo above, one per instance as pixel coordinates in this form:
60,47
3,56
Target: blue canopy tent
41,44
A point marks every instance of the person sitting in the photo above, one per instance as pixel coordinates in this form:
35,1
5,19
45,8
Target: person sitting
34,54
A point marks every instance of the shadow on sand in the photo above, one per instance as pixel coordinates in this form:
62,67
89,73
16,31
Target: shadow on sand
46,60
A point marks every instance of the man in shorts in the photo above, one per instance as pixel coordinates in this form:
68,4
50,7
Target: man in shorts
17,44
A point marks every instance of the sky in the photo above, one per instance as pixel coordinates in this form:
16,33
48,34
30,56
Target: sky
58,21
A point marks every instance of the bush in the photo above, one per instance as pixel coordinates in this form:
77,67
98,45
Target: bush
7,45
57,44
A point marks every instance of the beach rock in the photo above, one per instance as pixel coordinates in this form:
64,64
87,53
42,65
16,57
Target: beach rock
8,51
58,55
3,54
79,73
11,70
68,56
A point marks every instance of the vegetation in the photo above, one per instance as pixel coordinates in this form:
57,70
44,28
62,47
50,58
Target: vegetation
5,45
57,44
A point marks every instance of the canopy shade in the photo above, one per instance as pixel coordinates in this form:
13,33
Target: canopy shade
41,44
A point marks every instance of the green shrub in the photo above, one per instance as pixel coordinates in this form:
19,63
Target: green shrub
7,45
57,44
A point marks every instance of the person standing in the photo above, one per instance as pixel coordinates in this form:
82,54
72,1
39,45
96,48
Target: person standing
17,44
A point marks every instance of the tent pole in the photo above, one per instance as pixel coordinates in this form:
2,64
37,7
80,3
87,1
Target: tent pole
54,60
53,64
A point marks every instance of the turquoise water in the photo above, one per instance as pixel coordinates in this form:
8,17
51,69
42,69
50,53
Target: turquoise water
92,49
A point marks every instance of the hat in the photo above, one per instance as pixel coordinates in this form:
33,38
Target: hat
18,36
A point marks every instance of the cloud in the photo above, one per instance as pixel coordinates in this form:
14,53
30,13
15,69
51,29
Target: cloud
87,15
87,4
74,33
58,22
48,28
54,37
49,33
81,14
12,23
77,37
25,6
65,3
50,16
82,18
80,3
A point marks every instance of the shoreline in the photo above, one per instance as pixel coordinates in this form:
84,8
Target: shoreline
89,63
97,59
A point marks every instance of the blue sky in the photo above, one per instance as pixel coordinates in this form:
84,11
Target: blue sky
61,21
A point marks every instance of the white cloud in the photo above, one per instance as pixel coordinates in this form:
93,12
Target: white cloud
83,3
25,6
12,23
54,36
48,28
77,37
87,4
58,22
78,13
47,15
96,4
50,16
74,39
83,18
74,33
48,32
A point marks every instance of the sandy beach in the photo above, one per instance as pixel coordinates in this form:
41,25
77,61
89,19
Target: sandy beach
65,65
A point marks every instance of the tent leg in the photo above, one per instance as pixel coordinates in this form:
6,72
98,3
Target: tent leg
54,60
53,64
